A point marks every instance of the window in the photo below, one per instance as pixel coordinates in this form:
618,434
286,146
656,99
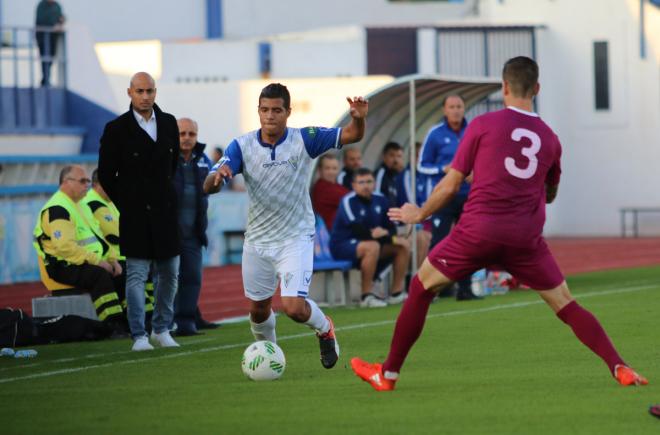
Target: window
601,76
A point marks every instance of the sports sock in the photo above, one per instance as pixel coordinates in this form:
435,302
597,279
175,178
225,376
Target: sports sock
264,330
409,325
590,332
317,319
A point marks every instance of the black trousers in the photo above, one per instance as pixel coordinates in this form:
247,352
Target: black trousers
47,43
443,222
93,280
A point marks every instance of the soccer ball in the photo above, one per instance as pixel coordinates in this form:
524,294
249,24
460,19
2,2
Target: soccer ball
263,361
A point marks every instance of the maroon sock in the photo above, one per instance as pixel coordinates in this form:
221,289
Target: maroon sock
409,325
589,331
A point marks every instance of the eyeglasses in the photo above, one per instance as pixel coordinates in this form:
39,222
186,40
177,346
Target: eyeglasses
84,181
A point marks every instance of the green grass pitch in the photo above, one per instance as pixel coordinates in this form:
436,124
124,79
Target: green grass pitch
504,365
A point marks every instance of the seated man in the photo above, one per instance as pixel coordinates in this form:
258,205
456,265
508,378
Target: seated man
388,171
73,248
106,215
352,162
327,192
363,233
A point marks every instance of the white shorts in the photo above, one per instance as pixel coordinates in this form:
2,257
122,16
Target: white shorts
291,264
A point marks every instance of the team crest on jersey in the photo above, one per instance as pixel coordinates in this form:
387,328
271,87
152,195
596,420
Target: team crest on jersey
57,234
377,208
287,279
447,140
293,161
362,212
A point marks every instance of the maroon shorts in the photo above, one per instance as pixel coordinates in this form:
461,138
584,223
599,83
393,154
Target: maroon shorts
459,255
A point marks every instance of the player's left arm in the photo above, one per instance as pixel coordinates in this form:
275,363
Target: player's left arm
552,177
550,193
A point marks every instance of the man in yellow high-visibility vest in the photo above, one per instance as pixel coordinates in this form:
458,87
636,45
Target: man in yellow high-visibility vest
74,250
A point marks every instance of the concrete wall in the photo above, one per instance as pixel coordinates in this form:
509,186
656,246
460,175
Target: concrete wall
610,157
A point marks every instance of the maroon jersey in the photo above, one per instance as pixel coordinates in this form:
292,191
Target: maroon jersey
513,154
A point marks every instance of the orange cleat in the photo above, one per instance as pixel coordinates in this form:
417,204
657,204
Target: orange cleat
373,374
627,376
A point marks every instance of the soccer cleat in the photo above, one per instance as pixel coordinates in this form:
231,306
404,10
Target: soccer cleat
398,298
329,346
373,374
627,376
655,410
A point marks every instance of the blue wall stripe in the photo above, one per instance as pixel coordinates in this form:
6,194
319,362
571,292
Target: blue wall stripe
214,19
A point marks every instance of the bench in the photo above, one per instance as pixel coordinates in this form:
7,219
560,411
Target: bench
324,263
635,212
52,306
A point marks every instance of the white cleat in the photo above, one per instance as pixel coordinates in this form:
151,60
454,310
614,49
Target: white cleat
164,339
142,343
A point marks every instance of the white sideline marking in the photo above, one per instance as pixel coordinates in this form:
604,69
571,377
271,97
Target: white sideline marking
305,334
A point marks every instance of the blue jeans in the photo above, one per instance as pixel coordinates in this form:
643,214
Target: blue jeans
190,284
165,280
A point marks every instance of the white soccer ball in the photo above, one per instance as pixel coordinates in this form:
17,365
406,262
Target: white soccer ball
263,361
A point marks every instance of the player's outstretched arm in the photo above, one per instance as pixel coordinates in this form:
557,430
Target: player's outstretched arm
354,131
215,180
442,193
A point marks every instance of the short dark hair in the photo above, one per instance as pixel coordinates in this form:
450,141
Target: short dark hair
522,74
361,172
64,172
276,90
95,177
444,100
219,151
392,146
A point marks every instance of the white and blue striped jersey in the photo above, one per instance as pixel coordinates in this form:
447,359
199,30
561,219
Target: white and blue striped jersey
276,178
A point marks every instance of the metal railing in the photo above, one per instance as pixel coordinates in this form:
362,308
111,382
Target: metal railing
27,55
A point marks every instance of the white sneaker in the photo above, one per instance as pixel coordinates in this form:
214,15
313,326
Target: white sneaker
164,339
142,343
393,300
372,301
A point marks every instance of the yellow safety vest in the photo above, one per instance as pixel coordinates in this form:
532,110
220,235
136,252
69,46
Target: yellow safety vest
86,226
93,195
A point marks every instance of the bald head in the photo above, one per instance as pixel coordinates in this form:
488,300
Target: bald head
187,136
142,78
142,92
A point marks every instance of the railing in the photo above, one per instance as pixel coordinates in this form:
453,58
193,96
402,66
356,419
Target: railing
33,77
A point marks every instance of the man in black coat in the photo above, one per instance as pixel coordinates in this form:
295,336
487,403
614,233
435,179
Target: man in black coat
137,161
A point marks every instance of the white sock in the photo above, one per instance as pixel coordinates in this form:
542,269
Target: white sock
391,375
264,330
317,319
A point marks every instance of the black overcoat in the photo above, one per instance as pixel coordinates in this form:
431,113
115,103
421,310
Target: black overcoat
137,174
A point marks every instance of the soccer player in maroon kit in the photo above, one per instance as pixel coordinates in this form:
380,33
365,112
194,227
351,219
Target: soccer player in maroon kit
515,160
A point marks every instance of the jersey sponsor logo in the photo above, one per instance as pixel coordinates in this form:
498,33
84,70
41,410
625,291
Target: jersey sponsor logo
311,131
293,162
107,217
57,234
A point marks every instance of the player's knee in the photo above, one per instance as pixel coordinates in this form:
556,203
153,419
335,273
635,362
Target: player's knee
296,312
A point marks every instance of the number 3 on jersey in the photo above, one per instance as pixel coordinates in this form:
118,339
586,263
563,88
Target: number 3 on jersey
529,152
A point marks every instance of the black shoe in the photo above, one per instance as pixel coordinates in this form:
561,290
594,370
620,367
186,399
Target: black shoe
467,296
205,324
329,346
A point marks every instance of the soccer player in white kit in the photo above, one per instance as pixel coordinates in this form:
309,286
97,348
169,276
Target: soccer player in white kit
279,240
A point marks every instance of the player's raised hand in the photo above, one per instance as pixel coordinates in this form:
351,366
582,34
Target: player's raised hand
408,214
359,107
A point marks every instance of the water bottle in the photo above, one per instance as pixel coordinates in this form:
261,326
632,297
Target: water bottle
6,351
25,353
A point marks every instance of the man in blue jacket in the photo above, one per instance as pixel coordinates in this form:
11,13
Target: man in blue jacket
437,153
189,178
363,233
